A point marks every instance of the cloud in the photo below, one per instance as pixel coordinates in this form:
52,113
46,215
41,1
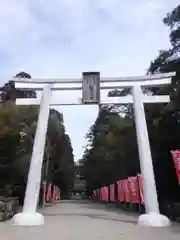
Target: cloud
70,36
62,38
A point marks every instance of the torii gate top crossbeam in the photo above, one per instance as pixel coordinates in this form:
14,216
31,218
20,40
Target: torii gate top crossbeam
57,84
102,80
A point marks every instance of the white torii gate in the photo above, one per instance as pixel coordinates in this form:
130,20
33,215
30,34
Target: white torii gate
91,85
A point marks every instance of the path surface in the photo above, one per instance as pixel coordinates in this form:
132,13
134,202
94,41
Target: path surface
82,220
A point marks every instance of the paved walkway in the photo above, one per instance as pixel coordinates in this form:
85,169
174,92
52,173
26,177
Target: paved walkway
82,220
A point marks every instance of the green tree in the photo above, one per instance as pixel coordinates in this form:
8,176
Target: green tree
164,119
10,93
18,125
112,150
107,158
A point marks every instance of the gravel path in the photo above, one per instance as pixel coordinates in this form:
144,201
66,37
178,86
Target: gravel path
82,220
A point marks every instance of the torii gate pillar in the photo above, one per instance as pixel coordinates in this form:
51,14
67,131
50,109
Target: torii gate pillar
29,216
152,217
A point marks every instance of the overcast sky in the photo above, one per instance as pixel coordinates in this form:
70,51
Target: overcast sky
62,38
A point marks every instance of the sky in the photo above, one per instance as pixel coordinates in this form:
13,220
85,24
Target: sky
62,38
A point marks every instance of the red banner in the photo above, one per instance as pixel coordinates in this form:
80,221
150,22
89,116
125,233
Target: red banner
126,188
141,188
121,195
49,193
133,184
105,193
101,194
112,192
59,194
57,197
54,193
176,158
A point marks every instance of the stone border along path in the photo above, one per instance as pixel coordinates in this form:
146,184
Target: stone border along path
83,220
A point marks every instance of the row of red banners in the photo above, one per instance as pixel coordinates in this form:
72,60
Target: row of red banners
51,192
176,158
129,190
